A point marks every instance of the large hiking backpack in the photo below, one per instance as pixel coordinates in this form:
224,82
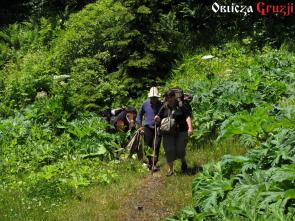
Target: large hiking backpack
182,97
110,115
168,124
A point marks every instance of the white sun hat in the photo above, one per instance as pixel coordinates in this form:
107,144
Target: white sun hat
154,92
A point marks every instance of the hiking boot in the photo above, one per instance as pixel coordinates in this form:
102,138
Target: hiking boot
155,168
169,173
149,166
183,166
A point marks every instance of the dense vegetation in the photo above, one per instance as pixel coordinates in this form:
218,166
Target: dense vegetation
63,62
250,98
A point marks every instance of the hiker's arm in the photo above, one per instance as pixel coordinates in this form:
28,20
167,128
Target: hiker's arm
157,119
140,115
158,116
190,125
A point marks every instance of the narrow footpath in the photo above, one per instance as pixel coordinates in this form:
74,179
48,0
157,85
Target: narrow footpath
146,203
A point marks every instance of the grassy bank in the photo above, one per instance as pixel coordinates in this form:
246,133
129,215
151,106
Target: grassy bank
107,202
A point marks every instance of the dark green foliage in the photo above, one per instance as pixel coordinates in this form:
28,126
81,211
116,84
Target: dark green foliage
256,108
17,10
56,66
134,42
236,88
254,188
152,50
257,186
119,50
207,27
84,93
50,155
258,124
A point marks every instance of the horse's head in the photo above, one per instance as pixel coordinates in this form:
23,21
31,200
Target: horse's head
124,119
130,117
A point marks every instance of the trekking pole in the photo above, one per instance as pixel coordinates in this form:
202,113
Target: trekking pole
154,150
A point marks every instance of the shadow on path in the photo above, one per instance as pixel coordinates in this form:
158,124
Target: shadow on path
193,170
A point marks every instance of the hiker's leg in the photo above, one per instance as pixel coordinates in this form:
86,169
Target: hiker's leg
170,169
169,143
183,165
181,143
148,136
148,141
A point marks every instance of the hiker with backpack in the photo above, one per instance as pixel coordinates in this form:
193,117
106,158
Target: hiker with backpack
148,110
176,125
120,119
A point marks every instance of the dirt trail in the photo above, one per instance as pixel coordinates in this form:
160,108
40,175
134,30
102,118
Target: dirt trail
145,204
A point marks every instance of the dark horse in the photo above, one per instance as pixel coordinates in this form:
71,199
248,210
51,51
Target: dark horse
121,119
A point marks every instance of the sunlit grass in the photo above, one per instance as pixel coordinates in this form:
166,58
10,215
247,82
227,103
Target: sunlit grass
105,203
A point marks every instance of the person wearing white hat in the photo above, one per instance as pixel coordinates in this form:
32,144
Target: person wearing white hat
148,110
154,93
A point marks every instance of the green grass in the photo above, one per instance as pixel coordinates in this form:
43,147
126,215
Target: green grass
104,202
178,189
85,202
14,205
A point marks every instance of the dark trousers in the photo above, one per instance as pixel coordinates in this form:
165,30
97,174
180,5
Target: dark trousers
149,136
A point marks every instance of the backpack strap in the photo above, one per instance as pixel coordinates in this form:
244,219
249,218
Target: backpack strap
163,106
